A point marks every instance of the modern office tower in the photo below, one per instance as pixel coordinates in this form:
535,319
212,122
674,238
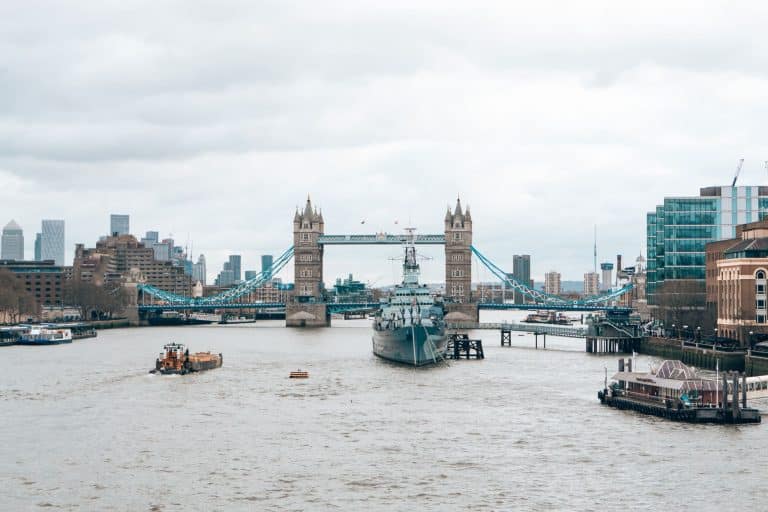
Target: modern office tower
199,270
552,283
678,230
162,250
12,242
607,278
226,278
250,274
119,224
234,266
521,271
150,239
266,265
591,284
38,246
52,241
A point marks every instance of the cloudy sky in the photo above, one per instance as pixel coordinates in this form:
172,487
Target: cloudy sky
213,120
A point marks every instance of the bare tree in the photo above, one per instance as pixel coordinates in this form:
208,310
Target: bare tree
95,302
16,303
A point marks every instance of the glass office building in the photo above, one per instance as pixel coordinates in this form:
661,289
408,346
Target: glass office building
678,230
52,241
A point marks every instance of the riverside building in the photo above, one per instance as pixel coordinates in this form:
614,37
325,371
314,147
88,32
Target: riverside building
679,229
591,284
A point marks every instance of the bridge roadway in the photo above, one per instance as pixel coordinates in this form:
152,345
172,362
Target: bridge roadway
335,307
379,239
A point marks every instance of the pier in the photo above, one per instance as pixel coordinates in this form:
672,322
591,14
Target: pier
460,346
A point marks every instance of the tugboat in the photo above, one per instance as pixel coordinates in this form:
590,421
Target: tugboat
409,327
176,359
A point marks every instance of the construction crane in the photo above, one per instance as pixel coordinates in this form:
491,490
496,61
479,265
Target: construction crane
738,170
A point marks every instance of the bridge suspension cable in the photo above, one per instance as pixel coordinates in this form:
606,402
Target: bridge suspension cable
230,295
542,298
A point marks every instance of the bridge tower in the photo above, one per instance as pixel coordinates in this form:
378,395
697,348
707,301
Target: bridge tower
458,262
307,306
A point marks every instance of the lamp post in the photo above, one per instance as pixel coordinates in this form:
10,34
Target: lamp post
751,333
715,343
674,332
698,333
685,330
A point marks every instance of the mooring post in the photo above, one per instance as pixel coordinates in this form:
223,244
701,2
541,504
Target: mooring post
545,341
744,390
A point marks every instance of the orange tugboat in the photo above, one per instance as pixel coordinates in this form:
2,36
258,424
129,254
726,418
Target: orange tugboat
176,359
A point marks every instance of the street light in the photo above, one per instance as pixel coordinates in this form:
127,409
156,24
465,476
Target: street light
751,333
674,332
698,333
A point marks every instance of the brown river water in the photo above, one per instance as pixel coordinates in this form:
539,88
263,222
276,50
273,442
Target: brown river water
85,427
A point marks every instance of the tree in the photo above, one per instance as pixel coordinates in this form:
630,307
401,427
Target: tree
95,302
16,303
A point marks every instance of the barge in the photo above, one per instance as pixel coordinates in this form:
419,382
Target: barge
677,392
176,359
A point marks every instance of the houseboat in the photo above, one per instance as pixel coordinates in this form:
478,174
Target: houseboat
677,392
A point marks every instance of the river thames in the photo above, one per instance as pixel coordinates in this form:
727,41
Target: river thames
85,427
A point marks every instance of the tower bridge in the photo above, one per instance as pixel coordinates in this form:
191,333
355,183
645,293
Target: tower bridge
307,306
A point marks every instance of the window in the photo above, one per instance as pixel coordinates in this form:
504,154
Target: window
760,289
760,303
458,257
457,272
457,236
305,272
305,257
305,237
761,319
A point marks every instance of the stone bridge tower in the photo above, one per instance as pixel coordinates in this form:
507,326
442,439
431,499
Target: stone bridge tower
458,263
307,306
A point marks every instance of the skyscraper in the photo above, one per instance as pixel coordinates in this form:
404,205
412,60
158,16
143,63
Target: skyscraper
521,271
38,246
52,241
199,270
552,283
119,224
266,265
12,242
234,266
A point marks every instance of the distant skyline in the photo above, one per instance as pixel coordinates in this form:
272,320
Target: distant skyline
548,119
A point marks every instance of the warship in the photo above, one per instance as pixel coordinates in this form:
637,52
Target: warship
409,327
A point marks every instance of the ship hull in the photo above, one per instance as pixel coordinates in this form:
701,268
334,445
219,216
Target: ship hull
23,341
417,346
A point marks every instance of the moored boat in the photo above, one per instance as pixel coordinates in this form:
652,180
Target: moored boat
44,336
176,359
677,392
409,327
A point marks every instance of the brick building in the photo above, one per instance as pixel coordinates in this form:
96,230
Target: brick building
43,279
115,257
736,272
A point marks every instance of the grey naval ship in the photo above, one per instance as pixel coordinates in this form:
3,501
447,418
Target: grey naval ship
409,327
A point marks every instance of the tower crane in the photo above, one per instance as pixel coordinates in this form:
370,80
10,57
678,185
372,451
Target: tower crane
738,170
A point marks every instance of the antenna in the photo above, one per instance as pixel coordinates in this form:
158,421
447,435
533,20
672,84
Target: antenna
595,255
738,170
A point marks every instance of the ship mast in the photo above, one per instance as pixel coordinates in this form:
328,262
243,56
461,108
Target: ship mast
410,265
